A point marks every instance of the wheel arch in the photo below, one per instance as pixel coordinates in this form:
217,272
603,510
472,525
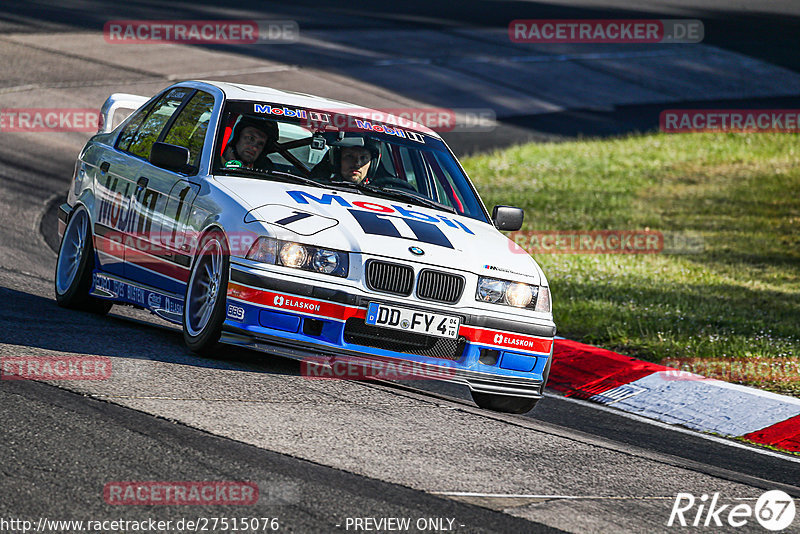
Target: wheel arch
213,226
79,204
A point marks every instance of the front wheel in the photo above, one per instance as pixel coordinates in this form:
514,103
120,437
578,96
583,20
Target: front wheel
204,304
503,403
74,267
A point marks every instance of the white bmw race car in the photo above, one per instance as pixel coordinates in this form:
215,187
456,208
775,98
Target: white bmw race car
307,228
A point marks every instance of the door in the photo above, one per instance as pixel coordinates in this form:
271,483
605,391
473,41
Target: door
162,255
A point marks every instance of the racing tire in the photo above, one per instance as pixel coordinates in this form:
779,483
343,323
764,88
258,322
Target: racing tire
204,302
74,266
503,403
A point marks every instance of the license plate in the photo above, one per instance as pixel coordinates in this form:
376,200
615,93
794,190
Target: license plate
430,324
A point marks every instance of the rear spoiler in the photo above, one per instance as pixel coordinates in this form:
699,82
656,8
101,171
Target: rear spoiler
117,108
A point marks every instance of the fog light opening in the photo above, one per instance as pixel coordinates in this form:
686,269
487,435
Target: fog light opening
312,327
489,356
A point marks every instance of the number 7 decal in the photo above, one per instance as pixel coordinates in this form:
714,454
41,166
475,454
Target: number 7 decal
298,221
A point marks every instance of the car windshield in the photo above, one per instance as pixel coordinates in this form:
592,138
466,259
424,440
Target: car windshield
277,142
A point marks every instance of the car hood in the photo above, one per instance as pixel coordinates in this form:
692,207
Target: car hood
378,226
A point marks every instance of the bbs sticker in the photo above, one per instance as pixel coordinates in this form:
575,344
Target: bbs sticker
235,312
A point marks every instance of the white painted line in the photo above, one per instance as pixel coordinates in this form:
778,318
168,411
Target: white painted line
594,55
154,79
402,61
532,496
539,58
236,72
79,84
709,437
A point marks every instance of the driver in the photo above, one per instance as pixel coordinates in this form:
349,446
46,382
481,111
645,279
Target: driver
248,143
355,160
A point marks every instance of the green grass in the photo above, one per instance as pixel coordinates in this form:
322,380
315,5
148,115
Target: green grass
739,194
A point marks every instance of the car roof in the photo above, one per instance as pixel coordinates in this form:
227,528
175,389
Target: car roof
256,93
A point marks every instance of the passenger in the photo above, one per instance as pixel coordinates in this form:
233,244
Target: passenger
356,160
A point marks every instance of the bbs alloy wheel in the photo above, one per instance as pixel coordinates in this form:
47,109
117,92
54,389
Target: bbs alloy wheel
73,279
204,305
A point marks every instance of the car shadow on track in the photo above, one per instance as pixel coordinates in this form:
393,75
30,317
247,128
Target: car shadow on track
34,324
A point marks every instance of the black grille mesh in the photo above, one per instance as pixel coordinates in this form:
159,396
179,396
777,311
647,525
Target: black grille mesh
390,277
359,333
439,286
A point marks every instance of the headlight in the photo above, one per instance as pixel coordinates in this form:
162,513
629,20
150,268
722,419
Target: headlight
519,295
325,261
293,255
490,290
299,256
514,294
263,250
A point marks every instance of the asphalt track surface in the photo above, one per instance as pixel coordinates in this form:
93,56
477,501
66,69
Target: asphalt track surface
320,451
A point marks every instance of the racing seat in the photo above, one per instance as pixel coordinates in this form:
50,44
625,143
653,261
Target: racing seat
322,170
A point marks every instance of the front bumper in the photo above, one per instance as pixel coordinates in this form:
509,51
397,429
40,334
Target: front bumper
317,324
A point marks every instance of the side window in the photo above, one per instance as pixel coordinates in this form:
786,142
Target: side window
151,128
129,133
189,128
446,189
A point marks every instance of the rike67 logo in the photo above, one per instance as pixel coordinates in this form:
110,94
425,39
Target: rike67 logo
774,510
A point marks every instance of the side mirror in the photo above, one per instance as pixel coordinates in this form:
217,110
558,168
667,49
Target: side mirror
507,218
170,157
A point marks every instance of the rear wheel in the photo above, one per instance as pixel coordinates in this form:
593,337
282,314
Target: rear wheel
504,403
204,305
74,267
